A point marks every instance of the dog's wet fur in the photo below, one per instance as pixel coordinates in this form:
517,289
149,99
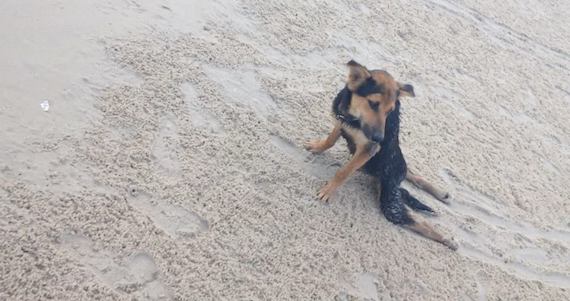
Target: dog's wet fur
367,110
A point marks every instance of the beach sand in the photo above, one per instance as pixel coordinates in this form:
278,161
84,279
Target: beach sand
170,164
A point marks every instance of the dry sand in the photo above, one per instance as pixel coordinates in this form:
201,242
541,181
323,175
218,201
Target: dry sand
170,166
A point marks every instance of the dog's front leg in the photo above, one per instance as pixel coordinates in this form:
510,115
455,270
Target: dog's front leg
319,146
361,156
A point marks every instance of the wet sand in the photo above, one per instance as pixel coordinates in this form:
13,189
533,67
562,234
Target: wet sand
170,163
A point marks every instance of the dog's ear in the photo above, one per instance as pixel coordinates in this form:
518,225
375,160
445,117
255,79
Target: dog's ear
357,74
406,90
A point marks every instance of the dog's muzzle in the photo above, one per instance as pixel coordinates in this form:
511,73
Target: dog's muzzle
372,134
377,137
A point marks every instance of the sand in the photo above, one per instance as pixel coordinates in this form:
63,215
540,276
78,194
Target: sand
170,163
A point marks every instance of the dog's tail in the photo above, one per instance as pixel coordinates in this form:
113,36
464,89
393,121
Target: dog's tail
414,203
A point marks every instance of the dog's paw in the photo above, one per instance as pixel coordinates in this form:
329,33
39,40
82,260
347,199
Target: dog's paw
444,197
326,192
450,243
315,146
430,213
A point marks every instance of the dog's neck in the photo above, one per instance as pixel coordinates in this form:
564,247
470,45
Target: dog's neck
340,107
392,130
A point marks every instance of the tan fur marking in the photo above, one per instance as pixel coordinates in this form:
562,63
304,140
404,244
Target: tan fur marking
375,97
428,231
356,76
319,146
357,136
361,156
427,187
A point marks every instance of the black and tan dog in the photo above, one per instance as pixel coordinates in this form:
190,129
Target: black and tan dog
368,117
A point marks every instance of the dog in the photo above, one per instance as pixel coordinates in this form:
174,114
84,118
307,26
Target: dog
367,112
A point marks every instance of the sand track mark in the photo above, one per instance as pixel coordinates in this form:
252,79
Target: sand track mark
136,275
517,247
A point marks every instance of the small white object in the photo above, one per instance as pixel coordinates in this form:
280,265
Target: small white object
45,105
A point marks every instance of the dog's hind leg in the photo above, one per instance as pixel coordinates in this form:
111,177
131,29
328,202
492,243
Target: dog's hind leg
319,146
421,183
394,210
426,230
414,203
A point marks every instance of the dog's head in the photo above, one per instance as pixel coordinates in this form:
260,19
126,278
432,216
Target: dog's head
374,95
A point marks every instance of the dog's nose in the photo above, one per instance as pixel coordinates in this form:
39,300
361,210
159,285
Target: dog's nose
377,137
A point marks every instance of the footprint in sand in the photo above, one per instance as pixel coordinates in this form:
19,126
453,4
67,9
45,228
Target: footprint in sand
136,275
241,87
165,147
361,287
176,221
199,116
488,234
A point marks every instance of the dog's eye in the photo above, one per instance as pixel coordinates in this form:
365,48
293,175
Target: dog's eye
374,105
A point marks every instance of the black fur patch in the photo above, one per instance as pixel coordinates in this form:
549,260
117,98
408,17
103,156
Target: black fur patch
340,107
409,89
353,63
390,167
369,87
